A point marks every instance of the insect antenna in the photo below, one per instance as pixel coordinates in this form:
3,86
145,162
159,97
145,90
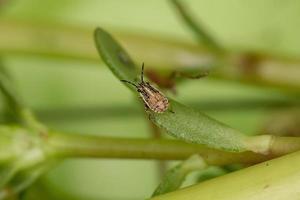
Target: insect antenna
125,81
142,73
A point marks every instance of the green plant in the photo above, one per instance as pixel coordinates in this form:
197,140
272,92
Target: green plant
29,148
185,123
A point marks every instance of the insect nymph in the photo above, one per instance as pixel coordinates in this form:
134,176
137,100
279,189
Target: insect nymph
152,97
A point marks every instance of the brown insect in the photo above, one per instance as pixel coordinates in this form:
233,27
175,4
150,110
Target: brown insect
152,97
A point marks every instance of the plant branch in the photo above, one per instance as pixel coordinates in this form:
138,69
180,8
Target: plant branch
16,105
73,113
65,145
201,34
73,145
75,42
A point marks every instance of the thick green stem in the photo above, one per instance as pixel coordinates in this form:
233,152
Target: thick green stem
274,179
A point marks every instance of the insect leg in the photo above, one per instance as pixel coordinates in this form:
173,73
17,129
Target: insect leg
142,73
147,109
149,116
145,105
125,81
201,75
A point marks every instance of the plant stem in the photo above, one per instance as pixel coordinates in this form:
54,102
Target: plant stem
63,145
273,145
16,105
71,42
31,121
274,179
74,113
201,34
157,134
284,145
72,145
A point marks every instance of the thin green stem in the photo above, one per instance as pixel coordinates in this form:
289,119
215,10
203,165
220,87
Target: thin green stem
75,42
201,34
76,113
9,93
157,134
31,121
16,105
72,145
64,145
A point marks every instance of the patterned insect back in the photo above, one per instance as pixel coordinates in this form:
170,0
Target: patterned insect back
152,97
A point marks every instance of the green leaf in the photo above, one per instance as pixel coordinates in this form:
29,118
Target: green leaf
24,179
116,58
211,172
195,127
175,177
179,121
7,172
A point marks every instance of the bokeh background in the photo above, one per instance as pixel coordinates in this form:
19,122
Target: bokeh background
82,96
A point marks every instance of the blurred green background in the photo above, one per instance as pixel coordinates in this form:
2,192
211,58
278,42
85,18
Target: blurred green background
84,97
